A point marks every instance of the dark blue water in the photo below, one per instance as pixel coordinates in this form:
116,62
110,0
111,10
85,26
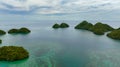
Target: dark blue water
62,47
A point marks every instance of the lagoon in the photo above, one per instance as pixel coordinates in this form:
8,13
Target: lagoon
67,47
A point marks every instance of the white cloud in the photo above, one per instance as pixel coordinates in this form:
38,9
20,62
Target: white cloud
60,6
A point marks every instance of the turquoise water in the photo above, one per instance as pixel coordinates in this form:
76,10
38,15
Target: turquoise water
61,47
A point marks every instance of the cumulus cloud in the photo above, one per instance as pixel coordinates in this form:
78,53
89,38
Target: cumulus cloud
57,6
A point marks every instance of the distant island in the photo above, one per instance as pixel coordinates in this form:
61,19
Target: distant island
98,29
13,53
56,26
62,25
0,41
2,32
115,34
21,31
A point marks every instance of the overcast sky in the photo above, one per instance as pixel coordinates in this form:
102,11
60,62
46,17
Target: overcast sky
90,9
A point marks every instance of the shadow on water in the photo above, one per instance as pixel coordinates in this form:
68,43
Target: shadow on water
15,34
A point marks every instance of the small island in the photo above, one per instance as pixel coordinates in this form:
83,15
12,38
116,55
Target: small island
62,25
21,31
24,30
13,53
0,41
13,31
56,26
84,25
98,29
115,34
2,32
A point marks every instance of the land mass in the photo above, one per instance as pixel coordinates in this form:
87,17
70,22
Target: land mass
115,34
21,31
13,53
98,29
62,25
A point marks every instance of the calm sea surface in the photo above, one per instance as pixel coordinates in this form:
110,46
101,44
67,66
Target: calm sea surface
61,47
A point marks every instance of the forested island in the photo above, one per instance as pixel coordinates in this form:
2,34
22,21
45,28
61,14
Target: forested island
13,53
0,41
56,26
99,28
62,25
115,34
2,32
21,31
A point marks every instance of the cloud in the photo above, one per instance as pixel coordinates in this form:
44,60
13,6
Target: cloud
57,6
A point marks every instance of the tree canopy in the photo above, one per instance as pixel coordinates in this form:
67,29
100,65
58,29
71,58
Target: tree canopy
115,34
98,28
62,25
56,26
13,53
2,32
21,30
84,25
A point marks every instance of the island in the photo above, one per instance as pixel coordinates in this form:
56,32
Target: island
13,53
24,30
98,29
21,31
84,25
62,25
115,34
13,31
0,41
56,26
2,32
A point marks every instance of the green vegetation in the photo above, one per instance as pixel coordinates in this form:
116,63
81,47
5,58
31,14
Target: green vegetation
56,26
98,28
13,31
84,25
2,32
0,41
24,30
98,32
115,34
64,25
13,53
21,30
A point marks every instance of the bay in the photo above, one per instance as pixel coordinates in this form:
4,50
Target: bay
68,47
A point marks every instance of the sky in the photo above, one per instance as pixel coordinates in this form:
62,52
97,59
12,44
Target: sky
62,9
